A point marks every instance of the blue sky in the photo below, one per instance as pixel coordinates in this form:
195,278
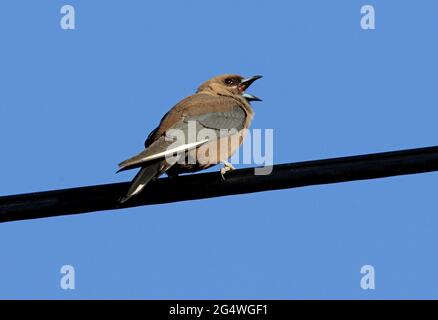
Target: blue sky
75,103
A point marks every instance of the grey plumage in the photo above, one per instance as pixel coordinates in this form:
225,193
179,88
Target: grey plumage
143,177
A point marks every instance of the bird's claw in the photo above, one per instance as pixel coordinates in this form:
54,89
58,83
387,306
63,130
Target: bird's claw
227,167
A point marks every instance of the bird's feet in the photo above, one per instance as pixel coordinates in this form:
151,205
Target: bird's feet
227,167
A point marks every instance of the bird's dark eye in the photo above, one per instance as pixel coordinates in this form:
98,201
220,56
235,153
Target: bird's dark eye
228,81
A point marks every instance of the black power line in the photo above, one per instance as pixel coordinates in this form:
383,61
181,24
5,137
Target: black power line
209,185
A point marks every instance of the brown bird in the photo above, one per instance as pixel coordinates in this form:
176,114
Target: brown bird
221,108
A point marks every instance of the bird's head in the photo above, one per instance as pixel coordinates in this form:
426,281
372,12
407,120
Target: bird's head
230,85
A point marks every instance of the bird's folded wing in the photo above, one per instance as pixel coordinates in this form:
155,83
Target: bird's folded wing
161,148
205,112
205,106
221,120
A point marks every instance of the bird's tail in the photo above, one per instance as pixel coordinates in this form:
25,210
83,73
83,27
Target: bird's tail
143,177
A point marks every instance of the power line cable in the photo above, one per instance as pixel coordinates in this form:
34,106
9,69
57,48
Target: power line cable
210,185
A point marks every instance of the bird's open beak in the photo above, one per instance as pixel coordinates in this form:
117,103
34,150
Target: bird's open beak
245,83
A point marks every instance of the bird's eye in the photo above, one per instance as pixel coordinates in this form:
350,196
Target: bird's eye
228,81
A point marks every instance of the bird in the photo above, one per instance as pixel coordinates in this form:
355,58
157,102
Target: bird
221,106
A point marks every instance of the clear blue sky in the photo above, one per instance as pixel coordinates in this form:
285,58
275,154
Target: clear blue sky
75,103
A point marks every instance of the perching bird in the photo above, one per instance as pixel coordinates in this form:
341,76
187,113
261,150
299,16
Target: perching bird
220,104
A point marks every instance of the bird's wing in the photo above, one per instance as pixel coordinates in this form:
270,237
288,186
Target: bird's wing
220,120
160,149
208,112
200,104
